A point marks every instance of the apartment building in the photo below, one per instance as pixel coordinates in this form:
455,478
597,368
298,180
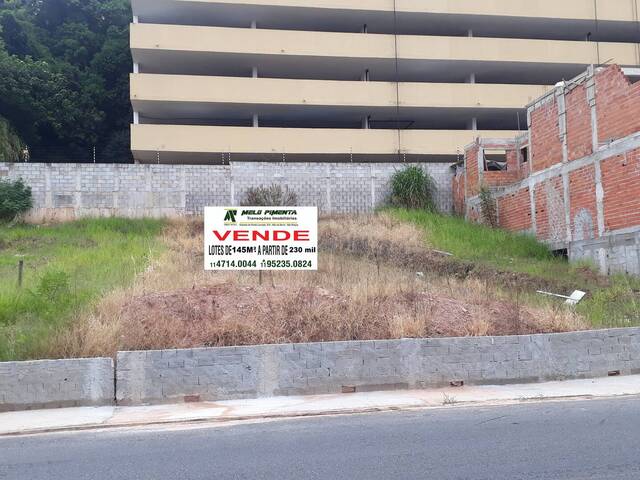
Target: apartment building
355,80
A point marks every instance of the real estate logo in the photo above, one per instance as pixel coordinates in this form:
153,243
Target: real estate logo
230,217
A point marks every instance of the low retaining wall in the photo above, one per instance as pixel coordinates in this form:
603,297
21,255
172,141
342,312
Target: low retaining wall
302,369
172,376
66,191
56,383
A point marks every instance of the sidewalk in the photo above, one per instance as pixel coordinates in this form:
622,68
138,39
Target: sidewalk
69,419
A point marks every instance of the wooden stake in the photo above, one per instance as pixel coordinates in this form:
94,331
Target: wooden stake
20,272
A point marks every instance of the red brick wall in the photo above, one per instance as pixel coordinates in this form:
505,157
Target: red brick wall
617,104
618,110
550,216
621,183
579,133
546,148
473,176
513,161
500,179
582,201
514,210
458,194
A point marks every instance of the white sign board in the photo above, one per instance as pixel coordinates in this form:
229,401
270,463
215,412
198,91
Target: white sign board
261,238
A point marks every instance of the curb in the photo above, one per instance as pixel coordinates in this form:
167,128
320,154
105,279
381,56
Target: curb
294,415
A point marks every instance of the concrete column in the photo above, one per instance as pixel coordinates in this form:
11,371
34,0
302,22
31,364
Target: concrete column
136,68
136,118
529,110
183,189
232,186
480,161
78,193
532,201
328,189
562,122
591,100
599,197
116,189
256,120
373,186
48,193
567,205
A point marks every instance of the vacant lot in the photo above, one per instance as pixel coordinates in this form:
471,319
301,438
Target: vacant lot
67,269
94,287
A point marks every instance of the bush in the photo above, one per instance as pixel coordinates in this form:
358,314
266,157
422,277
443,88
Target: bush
15,199
273,196
413,188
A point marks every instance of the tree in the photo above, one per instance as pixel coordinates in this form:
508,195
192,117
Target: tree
64,73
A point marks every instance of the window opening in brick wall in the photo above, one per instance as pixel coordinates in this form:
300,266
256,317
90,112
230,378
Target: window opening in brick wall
495,160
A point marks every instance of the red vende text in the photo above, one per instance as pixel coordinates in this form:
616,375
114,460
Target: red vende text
266,235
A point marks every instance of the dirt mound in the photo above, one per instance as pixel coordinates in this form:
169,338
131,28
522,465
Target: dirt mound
230,314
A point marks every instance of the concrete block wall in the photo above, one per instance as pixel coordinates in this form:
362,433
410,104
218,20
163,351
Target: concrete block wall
68,191
302,369
618,253
56,383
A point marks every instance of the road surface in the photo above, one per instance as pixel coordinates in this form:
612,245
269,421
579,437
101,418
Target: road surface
597,439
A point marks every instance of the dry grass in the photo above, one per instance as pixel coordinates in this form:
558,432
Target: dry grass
175,304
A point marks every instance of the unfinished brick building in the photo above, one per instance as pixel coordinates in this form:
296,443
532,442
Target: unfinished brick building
573,179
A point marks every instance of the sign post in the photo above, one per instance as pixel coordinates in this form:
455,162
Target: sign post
261,238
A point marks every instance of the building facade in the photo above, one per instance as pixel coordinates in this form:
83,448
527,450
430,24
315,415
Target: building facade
355,80
573,180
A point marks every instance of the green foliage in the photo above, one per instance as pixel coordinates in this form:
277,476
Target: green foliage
68,267
10,144
64,67
610,303
54,286
469,241
272,196
15,199
616,306
488,208
413,188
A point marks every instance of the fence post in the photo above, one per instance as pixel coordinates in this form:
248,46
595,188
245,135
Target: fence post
20,272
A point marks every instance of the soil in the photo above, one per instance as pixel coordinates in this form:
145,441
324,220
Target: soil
231,314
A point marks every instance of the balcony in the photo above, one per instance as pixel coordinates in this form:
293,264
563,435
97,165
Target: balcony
210,144
175,49
543,19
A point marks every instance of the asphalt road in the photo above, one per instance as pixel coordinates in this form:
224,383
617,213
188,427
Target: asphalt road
597,439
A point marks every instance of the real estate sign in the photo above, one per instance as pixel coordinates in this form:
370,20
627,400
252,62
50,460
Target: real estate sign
261,238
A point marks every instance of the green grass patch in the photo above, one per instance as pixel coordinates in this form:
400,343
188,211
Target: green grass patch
67,268
616,304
